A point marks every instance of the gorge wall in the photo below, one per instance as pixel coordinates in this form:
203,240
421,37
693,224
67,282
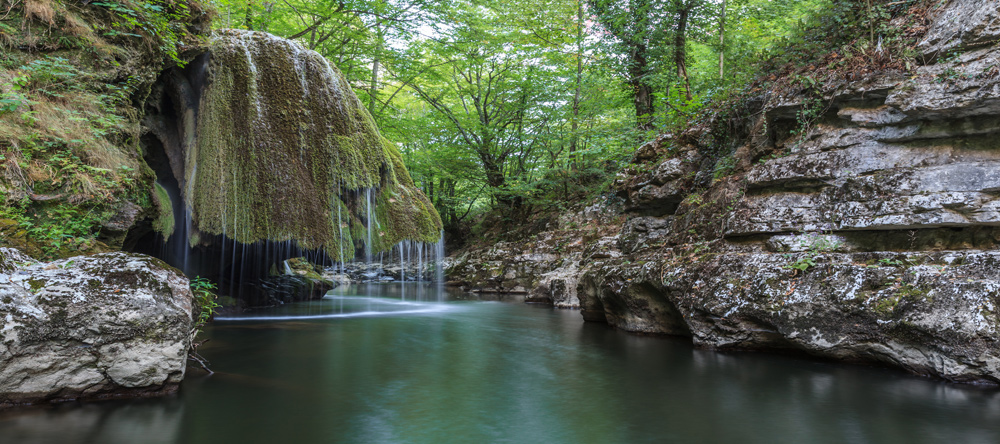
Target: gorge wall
868,233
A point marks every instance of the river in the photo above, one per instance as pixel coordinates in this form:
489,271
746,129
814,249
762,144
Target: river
390,363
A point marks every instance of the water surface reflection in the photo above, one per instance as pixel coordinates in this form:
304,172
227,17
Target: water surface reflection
430,371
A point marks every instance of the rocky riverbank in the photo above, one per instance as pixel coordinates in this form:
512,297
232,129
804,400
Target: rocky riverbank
867,234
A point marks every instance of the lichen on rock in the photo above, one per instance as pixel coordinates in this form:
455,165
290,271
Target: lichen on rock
106,325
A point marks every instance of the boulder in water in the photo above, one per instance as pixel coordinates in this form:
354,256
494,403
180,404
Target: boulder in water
101,326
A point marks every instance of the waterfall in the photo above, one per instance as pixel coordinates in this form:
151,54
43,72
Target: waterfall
268,155
439,265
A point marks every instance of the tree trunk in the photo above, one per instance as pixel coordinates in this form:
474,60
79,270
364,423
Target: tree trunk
248,18
643,92
430,188
372,102
575,123
680,46
722,42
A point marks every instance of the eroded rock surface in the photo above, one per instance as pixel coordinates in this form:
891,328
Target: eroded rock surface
107,325
868,234
929,313
544,268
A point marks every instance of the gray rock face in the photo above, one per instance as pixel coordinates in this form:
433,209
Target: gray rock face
106,325
932,314
873,236
659,190
962,24
544,268
869,235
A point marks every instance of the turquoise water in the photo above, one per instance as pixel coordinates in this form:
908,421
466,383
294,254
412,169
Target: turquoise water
381,364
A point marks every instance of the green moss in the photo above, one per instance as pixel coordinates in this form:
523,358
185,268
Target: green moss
887,305
285,150
36,284
164,222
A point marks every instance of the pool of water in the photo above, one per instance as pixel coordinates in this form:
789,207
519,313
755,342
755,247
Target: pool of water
402,363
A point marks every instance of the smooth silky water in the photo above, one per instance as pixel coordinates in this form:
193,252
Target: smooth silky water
389,363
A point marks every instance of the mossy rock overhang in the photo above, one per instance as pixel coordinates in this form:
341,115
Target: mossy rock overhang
269,143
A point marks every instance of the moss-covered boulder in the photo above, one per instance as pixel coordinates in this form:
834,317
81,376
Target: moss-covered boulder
284,150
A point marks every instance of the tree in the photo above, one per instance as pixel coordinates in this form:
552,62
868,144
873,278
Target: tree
635,26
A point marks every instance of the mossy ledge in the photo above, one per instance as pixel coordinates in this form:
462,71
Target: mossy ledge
284,150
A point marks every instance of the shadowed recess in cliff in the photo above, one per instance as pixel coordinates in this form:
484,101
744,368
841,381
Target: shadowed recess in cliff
278,148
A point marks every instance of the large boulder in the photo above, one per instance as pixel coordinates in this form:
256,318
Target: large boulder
107,325
932,314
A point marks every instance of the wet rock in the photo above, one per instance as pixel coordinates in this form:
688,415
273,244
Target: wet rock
107,325
932,314
295,280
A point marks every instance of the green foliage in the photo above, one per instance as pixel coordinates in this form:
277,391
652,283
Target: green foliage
14,99
802,264
160,21
69,76
205,304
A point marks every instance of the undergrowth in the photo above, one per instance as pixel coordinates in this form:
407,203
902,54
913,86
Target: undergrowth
70,76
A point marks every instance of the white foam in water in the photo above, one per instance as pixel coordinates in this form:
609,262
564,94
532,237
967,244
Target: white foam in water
336,315
377,300
427,308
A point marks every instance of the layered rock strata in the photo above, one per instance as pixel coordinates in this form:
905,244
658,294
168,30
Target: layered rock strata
870,234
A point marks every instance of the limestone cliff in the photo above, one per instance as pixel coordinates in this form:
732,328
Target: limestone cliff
854,218
867,234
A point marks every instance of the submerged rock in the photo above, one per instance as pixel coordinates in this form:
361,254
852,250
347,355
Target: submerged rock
107,325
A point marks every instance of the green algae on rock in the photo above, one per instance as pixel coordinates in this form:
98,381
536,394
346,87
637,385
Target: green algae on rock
286,151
